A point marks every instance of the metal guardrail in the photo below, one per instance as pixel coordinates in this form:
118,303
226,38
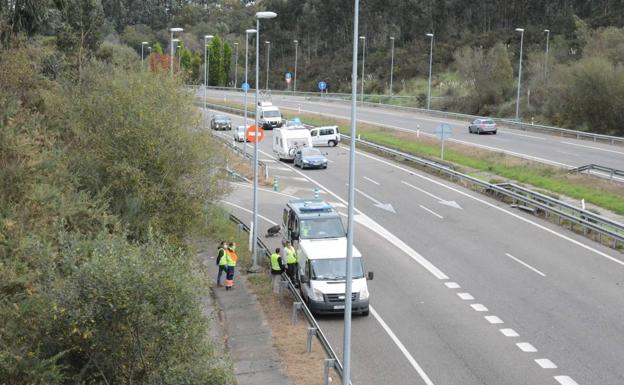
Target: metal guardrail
333,361
591,167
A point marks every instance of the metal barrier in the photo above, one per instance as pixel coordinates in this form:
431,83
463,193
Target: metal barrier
299,305
591,167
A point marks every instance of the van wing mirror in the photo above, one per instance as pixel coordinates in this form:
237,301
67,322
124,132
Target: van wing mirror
371,275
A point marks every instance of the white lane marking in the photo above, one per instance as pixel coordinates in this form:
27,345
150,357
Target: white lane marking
265,190
431,211
525,264
452,285
565,380
338,204
526,347
593,148
268,160
493,319
248,211
567,153
545,363
280,169
385,206
509,333
479,307
526,220
465,296
525,135
370,180
401,347
298,179
422,191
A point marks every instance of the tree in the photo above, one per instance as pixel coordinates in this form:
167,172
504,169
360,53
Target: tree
227,63
157,48
216,62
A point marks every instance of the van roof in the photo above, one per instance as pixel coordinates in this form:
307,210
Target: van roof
311,208
327,248
265,104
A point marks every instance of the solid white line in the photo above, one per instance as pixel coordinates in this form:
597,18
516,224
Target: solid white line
280,168
526,347
401,347
525,264
431,211
493,319
422,191
248,211
452,285
509,333
479,307
593,148
565,380
465,296
545,363
370,180
264,189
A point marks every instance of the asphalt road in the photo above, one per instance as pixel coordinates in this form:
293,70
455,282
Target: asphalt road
564,152
466,290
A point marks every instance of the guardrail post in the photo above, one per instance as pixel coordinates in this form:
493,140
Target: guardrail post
329,363
311,333
239,230
296,308
282,289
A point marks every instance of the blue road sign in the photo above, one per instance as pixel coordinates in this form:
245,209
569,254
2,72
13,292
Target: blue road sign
322,85
245,87
443,131
288,75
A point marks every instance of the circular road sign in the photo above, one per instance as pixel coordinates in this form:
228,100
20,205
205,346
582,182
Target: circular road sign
245,87
322,85
251,134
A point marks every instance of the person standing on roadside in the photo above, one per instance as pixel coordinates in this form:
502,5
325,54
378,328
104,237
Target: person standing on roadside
291,262
231,259
221,261
277,267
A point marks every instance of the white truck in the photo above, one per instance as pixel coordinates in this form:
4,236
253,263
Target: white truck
288,139
269,116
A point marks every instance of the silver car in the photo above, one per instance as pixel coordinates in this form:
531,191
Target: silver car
482,125
240,134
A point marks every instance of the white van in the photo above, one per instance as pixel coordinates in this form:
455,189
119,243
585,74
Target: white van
286,141
325,136
269,116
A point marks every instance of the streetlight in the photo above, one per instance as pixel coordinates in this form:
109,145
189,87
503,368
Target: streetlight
174,50
268,45
143,44
363,38
391,62
179,56
430,65
247,33
521,30
206,71
546,56
171,45
236,66
149,55
295,77
254,247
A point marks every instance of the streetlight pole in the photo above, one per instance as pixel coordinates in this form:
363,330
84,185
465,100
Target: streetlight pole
254,247
363,38
295,77
143,44
346,347
546,56
236,66
206,72
430,67
521,30
391,62
172,30
247,33
268,45
179,55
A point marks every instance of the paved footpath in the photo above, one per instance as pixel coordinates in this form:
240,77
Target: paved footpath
247,333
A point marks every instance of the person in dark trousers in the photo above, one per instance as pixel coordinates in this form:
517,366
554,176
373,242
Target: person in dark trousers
231,258
277,267
291,262
221,262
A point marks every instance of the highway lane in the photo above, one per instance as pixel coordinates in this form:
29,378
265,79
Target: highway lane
564,152
568,300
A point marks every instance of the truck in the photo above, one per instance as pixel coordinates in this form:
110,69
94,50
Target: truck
288,139
269,116
315,229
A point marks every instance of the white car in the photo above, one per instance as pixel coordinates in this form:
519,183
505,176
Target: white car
240,134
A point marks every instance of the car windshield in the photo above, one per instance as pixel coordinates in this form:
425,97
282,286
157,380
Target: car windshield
318,228
220,118
271,114
329,269
310,152
241,129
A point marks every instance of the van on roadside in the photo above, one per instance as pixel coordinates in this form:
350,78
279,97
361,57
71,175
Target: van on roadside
325,136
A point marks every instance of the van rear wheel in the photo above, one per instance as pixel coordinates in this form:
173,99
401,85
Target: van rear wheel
332,143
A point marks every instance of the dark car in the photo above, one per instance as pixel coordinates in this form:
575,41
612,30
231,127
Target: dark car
479,126
309,157
220,122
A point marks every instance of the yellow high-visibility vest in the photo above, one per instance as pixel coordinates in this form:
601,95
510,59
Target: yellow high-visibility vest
291,256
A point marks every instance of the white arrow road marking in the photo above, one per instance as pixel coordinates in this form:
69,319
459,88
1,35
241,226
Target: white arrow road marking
440,200
385,206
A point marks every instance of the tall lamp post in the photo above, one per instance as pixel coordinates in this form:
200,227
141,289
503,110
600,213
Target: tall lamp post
363,38
430,67
236,66
521,30
268,45
143,44
247,33
254,247
179,51
172,30
206,71
546,56
391,62
295,77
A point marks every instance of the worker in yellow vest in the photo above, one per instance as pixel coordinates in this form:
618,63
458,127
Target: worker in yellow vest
291,262
231,259
277,267
221,261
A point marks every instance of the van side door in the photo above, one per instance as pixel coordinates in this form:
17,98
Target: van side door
314,133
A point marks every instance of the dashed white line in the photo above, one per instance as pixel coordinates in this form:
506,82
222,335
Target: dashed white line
526,347
509,333
565,380
493,319
593,148
249,211
431,212
545,363
465,296
478,307
525,135
370,180
452,285
525,264
422,191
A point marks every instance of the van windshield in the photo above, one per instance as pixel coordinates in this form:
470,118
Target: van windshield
321,228
330,269
271,114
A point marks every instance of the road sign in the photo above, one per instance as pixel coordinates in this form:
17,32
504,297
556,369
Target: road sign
251,134
322,85
288,77
443,131
245,87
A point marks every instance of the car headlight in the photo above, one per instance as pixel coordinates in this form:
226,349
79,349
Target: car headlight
306,161
364,293
316,295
